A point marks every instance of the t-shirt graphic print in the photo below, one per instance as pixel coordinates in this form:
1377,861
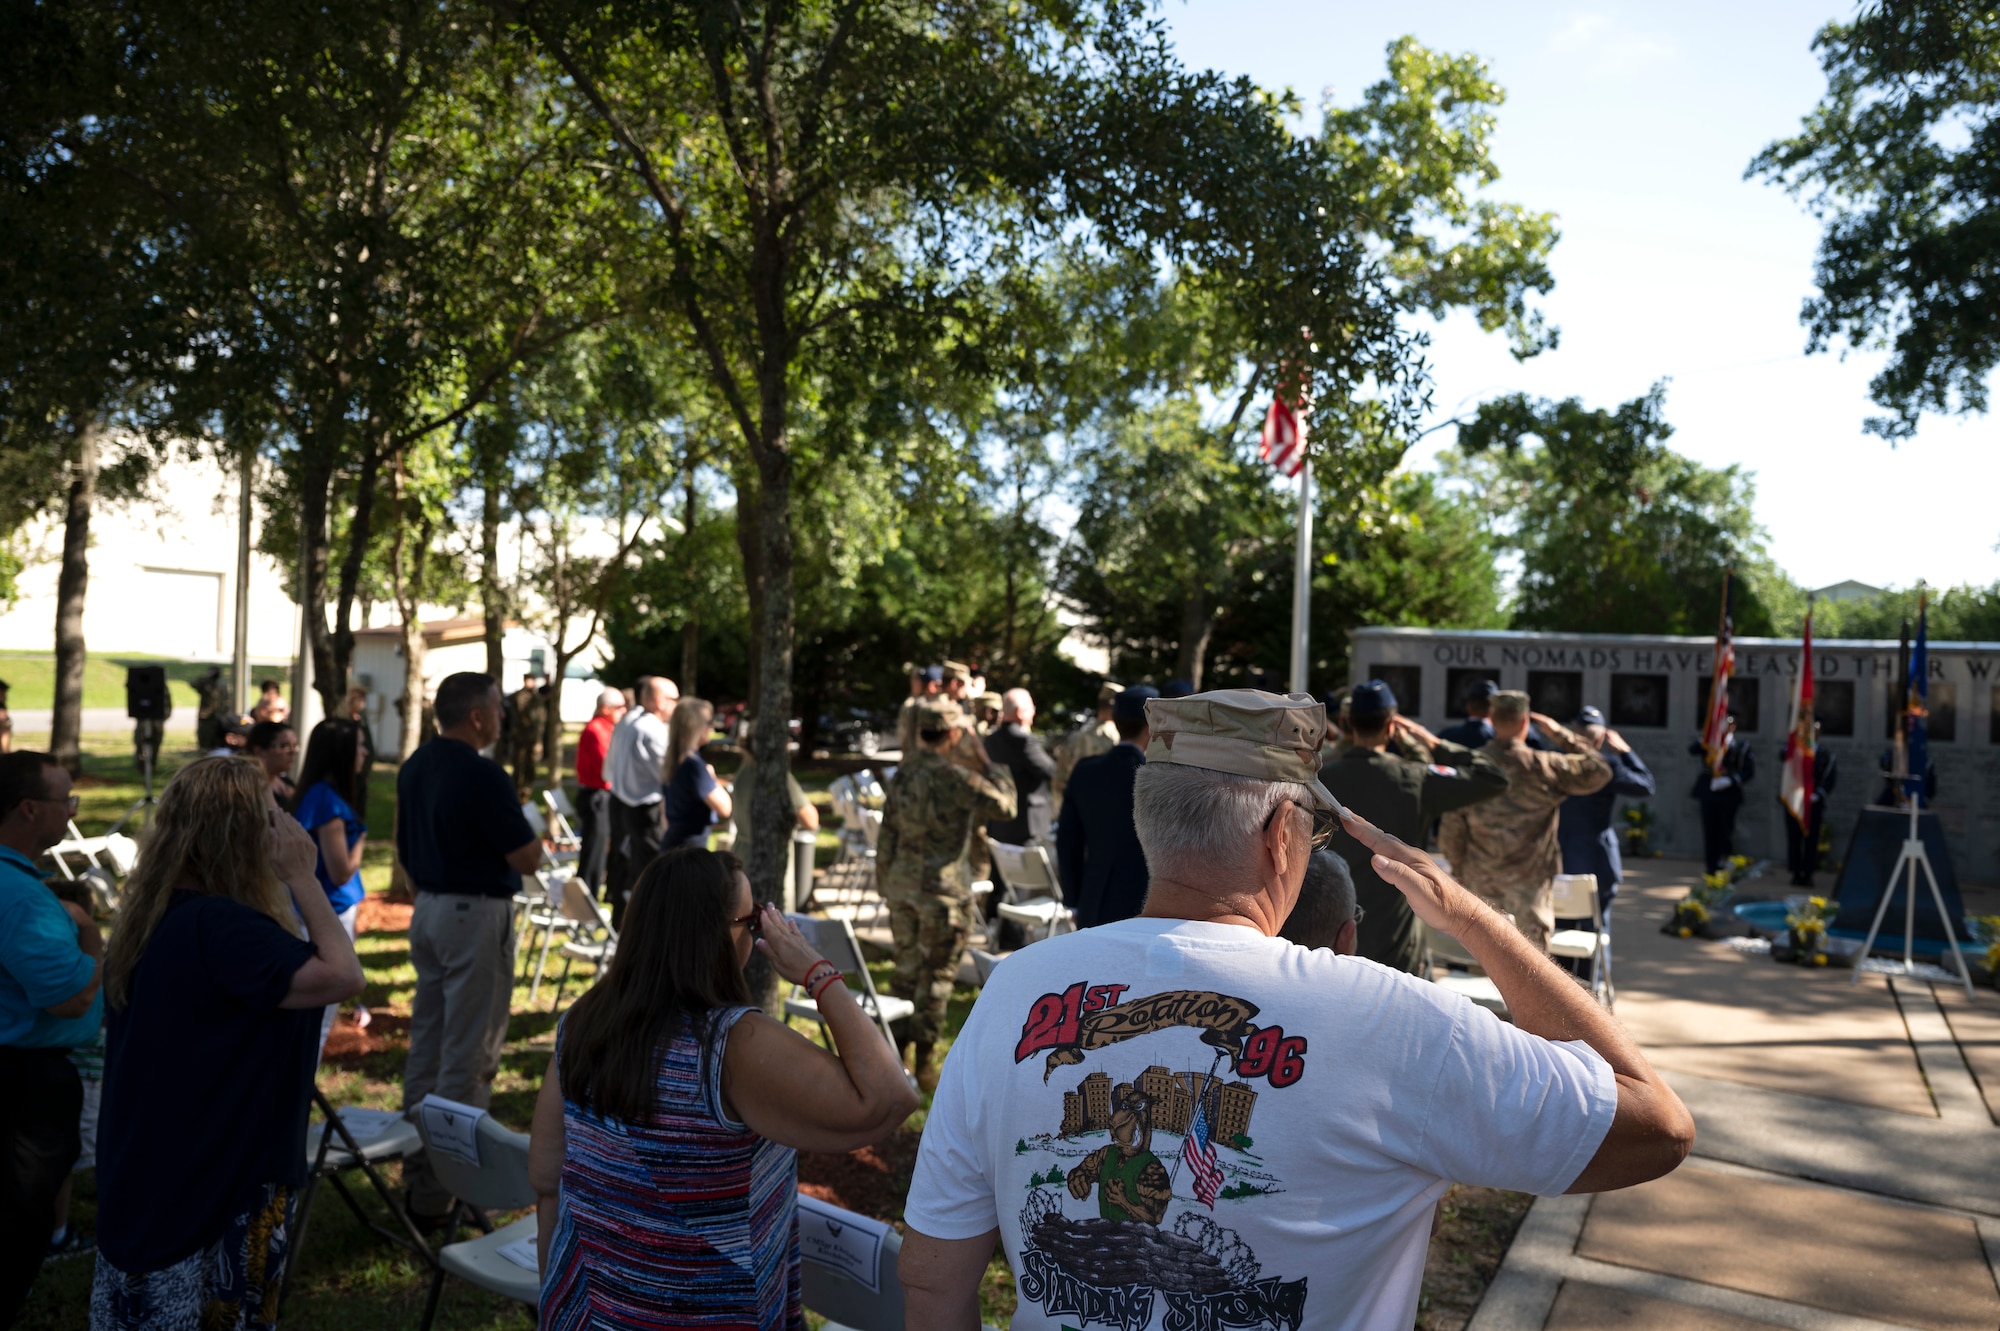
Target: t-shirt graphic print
1195,1127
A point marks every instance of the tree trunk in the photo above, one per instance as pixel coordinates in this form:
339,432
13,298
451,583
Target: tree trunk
1197,623
406,585
690,631
316,483
333,686
491,601
750,544
66,726
773,816
552,726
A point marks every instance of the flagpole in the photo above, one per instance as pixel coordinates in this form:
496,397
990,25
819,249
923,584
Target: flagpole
1302,576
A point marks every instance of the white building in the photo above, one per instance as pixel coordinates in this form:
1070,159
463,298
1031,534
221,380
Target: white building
163,583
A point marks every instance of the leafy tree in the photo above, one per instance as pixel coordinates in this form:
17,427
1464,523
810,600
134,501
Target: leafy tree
831,187
1897,163
1958,614
1616,533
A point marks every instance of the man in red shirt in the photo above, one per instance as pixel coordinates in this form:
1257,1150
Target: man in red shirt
593,804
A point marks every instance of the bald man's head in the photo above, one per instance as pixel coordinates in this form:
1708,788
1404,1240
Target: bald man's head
1018,705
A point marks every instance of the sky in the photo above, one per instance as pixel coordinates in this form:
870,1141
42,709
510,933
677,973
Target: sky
1634,123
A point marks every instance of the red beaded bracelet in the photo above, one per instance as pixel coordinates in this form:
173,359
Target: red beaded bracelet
813,976
826,984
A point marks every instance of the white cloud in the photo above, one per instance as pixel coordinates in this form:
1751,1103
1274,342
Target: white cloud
1600,46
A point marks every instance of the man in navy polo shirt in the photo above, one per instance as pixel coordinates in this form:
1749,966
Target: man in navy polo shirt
50,967
465,844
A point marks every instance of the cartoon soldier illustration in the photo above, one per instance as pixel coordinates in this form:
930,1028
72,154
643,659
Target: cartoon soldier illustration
1131,1182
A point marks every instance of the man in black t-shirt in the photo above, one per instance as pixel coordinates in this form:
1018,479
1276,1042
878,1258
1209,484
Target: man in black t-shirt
464,844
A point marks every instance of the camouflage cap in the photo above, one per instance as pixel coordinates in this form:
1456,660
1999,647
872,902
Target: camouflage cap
957,670
939,714
1273,736
992,699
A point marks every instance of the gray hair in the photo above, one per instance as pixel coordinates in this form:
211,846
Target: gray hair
1196,824
1325,904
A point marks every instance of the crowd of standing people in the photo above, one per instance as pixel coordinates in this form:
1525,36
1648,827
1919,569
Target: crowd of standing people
1237,846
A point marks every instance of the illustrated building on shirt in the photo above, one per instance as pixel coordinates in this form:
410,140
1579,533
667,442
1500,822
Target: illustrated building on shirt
1172,1097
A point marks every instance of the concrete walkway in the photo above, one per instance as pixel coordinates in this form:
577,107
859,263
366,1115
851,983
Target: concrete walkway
1846,1173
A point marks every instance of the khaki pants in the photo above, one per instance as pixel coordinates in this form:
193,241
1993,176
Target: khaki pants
463,949
931,932
1533,908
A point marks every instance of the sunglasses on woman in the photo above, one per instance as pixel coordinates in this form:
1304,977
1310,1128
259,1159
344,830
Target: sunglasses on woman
754,921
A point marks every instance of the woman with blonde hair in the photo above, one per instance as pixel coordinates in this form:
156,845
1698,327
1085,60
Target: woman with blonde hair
695,800
214,1004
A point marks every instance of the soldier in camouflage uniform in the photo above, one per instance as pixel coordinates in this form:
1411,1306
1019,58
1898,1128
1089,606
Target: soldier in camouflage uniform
925,681
524,733
1086,741
939,798
1506,850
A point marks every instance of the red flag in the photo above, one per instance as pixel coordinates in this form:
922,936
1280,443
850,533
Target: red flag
1284,438
1795,785
1715,734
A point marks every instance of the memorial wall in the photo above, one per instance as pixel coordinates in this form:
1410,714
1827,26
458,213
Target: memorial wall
1654,690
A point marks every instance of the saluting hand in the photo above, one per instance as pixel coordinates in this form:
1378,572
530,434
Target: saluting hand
294,854
1436,897
784,946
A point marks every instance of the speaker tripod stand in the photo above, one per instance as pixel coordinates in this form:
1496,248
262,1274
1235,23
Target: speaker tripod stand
1915,857
146,737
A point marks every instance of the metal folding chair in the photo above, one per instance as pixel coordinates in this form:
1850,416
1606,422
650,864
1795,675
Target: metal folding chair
596,940
1574,897
349,1139
498,1181
836,942
1031,883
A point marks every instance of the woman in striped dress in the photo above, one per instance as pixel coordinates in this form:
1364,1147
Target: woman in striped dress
665,1135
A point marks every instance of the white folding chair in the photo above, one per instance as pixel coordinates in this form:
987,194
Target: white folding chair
1574,897
847,1268
562,819
1449,953
595,939
363,1139
497,1181
835,941
982,965
552,852
543,915
1031,882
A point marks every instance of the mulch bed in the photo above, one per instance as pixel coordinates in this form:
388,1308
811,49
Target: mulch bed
1476,1229
873,1180
379,916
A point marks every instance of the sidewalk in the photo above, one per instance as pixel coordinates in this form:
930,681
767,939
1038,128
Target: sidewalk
1846,1173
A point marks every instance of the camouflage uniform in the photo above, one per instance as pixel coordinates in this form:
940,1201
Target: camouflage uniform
1086,741
934,808
906,725
1505,850
525,736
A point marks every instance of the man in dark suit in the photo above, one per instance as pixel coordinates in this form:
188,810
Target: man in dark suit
1589,841
1016,747
1098,858
1476,730
1721,795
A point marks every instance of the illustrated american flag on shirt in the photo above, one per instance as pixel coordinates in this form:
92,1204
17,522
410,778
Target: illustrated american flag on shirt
1198,1152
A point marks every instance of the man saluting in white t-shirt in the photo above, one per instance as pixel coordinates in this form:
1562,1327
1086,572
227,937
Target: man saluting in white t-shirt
1181,1119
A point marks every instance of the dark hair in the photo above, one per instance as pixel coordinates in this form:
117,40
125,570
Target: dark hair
675,960
1372,721
264,685
21,778
458,695
933,735
1129,727
330,757
265,734
1326,901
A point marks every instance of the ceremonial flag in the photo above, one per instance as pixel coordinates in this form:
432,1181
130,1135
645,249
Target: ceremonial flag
1715,734
1284,438
1795,785
1916,708
1198,1153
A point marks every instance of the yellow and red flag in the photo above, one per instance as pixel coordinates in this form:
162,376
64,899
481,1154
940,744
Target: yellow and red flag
1795,783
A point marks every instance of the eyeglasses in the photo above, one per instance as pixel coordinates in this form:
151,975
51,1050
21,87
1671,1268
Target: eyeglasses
1324,821
1360,914
75,802
754,922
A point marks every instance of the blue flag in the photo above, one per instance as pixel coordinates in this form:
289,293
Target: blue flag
1918,736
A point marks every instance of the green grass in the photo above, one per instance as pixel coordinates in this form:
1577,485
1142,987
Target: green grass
31,677
347,1279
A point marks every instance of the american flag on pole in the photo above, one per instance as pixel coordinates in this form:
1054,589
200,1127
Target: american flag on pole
1198,1152
1715,734
1284,438
1795,785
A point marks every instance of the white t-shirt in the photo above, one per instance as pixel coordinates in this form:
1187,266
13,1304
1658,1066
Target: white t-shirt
1186,1124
